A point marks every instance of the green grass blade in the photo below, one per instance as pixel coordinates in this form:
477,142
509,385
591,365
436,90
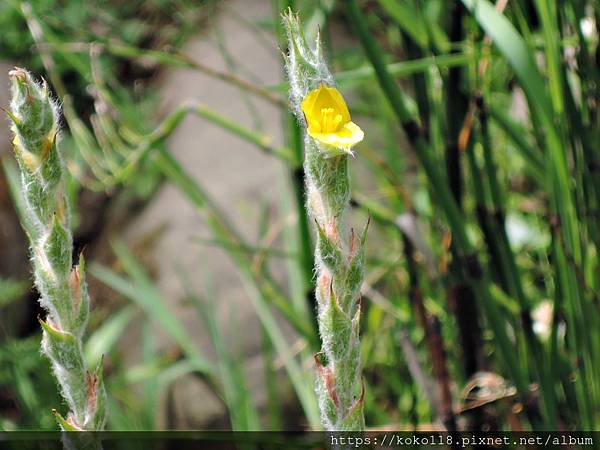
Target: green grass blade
303,384
400,104
535,164
405,16
140,289
222,229
11,290
102,340
514,49
242,413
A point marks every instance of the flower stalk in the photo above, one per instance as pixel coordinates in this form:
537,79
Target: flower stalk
329,135
47,222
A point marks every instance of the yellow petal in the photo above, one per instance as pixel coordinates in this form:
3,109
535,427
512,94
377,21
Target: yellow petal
340,104
348,136
314,126
324,97
308,103
329,122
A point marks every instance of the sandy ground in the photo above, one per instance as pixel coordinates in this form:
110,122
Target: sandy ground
239,178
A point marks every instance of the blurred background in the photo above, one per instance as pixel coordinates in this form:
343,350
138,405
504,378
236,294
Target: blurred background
187,192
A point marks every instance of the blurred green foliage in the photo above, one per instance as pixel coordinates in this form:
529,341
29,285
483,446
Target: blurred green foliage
155,24
26,386
514,162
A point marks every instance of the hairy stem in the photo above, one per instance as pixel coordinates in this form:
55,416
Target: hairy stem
46,218
339,262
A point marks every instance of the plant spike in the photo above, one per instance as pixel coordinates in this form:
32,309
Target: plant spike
339,263
47,222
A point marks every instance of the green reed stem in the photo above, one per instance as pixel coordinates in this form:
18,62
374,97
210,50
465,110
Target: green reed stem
399,104
297,175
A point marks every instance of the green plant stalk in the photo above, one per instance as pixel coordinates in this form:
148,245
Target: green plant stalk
547,114
215,217
304,238
398,101
46,220
433,337
216,220
274,406
508,266
430,322
460,295
263,142
420,80
564,203
242,414
220,227
581,137
294,142
456,104
339,264
261,287
484,217
535,164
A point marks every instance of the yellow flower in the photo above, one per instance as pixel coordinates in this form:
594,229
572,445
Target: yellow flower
328,120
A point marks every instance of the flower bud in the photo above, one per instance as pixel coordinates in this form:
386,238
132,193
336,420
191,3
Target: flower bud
32,111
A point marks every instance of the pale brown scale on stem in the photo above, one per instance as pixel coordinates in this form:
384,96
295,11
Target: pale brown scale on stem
331,230
75,287
92,390
327,375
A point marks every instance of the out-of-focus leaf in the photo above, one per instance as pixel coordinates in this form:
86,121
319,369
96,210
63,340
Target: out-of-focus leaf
106,336
140,289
